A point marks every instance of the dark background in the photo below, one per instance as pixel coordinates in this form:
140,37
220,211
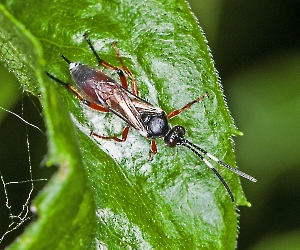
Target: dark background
256,48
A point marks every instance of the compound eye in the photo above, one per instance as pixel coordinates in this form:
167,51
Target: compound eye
175,136
180,130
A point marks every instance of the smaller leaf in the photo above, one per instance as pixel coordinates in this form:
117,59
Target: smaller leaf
66,201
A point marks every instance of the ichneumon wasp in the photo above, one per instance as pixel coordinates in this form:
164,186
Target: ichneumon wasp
102,93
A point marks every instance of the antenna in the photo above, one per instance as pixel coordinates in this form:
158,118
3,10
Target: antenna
195,149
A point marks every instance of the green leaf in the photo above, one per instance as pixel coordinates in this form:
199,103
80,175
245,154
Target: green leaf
172,202
66,202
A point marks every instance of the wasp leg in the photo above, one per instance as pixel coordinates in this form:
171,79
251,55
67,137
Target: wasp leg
153,147
178,111
75,92
153,150
124,135
134,86
106,64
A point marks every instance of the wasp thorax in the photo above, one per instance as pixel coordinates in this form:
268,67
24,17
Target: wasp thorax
157,125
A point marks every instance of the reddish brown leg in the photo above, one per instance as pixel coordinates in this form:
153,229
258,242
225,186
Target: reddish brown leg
153,147
107,65
178,111
153,150
124,135
134,86
75,92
